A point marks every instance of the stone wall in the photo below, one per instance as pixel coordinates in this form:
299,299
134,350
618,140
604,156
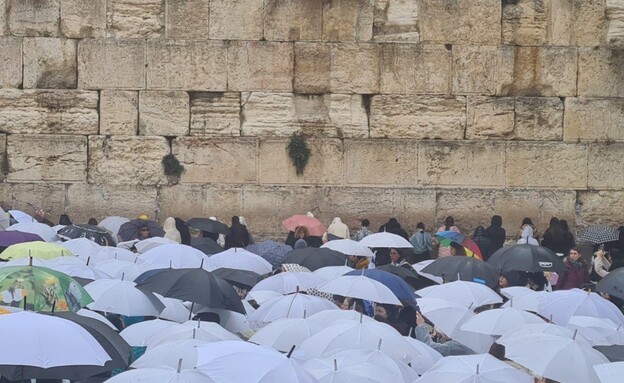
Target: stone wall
414,108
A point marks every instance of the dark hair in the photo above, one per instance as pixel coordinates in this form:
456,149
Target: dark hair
527,221
64,220
497,221
235,220
420,225
92,221
564,225
448,222
365,222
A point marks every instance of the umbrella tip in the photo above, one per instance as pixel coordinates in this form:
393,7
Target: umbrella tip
361,317
305,312
179,365
335,365
379,344
291,351
574,335
477,369
29,259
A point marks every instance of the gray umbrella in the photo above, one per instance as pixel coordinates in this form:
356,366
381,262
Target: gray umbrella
131,229
465,269
524,257
208,225
613,283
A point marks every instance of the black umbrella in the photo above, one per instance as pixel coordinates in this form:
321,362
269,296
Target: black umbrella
465,269
193,285
314,258
526,257
131,229
614,353
208,225
409,275
613,283
206,245
96,234
242,278
599,234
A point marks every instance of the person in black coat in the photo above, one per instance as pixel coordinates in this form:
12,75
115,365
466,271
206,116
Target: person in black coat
496,233
554,238
393,226
238,237
484,243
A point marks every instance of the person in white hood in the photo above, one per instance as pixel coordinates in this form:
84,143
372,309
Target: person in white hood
527,236
171,232
339,229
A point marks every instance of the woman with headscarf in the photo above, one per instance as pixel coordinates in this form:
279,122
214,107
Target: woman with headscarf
238,236
553,237
339,229
496,233
171,232
527,236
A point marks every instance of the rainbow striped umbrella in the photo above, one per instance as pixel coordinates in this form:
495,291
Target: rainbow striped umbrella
448,237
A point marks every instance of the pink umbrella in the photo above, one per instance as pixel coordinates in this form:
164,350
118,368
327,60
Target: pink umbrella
315,227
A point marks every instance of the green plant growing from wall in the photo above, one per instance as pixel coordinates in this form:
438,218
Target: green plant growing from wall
171,166
299,152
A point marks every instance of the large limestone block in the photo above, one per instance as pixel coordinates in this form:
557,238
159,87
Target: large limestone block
460,21
418,117
293,20
33,17
601,72
525,22
260,66
594,119
49,63
10,62
236,20
163,113
475,69
189,201
3,22
462,164
412,206
348,20
186,65
469,207
605,170
615,17
389,162
396,21
119,112
106,64
83,19
136,18
352,204
99,201
215,114
556,203
354,68
539,118
600,207
214,160
490,117
554,165
127,160
413,69
324,167
513,205
187,19
46,158
580,23
312,68
537,71
50,196
260,210
48,112
281,114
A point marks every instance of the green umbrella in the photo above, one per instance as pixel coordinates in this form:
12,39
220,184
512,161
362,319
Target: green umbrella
41,289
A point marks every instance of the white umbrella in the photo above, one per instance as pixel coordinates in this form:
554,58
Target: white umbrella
385,239
283,334
169,355
173,256
610,372
288,306
239,259
499,321
599,331
563,304
151,243
262,296
349,247
80,246
160,375
205,331
330,272
175,310
468,294
544,328
472,369
122,297
21,217
359,286
234,322
139,334
289,282
41,229
118,269
80,271
49,263
104,253
96,316
421,265
338,316
429,356
113,223
526,302
515,291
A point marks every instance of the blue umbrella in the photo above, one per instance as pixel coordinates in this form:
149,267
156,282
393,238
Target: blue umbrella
273,252
396,284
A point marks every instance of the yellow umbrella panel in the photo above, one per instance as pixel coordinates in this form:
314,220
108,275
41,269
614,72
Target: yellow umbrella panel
37,249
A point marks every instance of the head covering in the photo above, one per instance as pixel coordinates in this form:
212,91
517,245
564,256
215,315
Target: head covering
243,221
338,228
171,232
309,214
527,232
301,244
512,277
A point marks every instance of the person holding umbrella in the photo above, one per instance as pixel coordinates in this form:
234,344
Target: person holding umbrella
576,272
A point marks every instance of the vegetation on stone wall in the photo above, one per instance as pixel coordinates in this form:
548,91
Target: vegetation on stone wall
299,151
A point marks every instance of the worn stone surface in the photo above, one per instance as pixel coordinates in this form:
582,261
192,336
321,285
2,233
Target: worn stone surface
546,165
215,114
236,20
189,201
324,167
469,208
136,18
186,65
453,22
49,63
281,114
354,68
525,22
187,19
490,117
163,113
594,119
40,157
260,66
475,69
261,203
293,20
396,21
312,68
83,19
600,207
348,20
133,160
557,203
10,62
107,64
605,170
615,22
84,201
413,69
539,118
48,112
33,17
601,72
418,117
377,162
119,112
48,195
352,204
410,207
579,23
3,21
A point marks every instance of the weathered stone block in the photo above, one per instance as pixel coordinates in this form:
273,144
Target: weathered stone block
381,162
312,68
260,66
525,22
49,63
539,118
189,201
187,19
236,20
412,206
475,69
105,64
49,196
615,22
215,114
546,165
354,68
469,208
325,165
556,203
33,17
186,65
136,18
352,204
129,160
119,112
418,117
605,170
83,19
293,20
453,22
396,21
594,119
347,20
46,158
580,23
490,117
413,69
48,112
281,114
10,62
3,22
4,159
163,113
600,207
601,72
513,205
